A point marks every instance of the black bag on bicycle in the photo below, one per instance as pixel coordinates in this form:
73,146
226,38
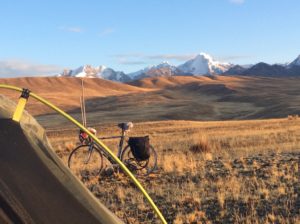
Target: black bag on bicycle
140,147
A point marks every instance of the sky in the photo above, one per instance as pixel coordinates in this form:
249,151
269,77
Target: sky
44,37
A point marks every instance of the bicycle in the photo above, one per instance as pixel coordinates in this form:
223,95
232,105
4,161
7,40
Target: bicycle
87,158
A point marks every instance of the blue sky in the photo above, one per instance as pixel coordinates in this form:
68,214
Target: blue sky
43,37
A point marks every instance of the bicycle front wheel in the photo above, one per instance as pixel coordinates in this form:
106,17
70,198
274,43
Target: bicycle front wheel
140,168
86,161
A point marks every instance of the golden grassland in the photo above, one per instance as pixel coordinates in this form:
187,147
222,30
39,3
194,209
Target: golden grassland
243,171
208,172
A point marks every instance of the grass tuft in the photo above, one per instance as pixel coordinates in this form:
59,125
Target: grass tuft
202,146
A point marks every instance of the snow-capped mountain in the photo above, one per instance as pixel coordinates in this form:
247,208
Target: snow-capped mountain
99,72
82,71
110,74
162,69
204,64
296,62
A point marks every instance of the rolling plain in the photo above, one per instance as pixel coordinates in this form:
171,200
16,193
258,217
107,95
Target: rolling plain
228,146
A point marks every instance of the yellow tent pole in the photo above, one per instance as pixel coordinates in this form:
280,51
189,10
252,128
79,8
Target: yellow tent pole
19,110
115,158
21,105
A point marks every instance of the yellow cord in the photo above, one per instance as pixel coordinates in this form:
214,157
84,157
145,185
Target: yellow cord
123,167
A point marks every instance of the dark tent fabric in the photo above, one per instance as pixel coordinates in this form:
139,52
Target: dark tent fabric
35,186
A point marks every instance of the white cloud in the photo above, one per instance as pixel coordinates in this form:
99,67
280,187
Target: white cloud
233,57
239,2
106,32
18,68
129,55
140,58
72,29
126,61
178,57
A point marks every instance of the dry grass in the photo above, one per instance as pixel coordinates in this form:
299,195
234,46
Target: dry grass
226,138
201,146
249,172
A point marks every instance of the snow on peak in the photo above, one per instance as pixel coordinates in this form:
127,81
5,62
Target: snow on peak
295,62
201,64
82,71
87,71
164,64
102,68
204,64
204,56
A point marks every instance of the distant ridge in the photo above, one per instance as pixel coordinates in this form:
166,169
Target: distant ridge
264,69
201,64
102,71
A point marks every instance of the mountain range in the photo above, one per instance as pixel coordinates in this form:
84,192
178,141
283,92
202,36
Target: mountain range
201,64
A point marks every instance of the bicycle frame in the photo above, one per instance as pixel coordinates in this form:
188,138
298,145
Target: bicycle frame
121,143
18,114
90,154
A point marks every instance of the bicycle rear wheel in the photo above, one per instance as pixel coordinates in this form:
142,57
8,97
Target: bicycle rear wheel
86,161
140,168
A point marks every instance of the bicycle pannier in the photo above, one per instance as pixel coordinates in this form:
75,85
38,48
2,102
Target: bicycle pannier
140,147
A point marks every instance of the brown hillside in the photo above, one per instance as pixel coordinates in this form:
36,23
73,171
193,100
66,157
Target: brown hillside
65,92
165,98
163,82
47,84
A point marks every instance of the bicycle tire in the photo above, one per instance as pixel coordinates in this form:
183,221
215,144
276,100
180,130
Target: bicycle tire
134,165
81,168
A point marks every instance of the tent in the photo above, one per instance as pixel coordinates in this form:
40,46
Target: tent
35,186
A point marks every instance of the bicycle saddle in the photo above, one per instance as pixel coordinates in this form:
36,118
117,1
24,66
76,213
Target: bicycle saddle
125,126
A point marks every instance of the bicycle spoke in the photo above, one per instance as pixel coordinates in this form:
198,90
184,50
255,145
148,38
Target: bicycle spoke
85,161
88,156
